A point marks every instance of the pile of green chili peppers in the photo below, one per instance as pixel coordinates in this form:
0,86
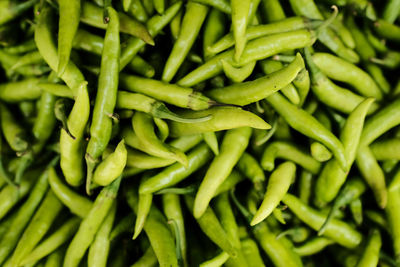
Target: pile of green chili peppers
199,133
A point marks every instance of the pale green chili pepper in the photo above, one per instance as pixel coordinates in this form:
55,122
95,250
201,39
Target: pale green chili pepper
278,184
112,166
233,145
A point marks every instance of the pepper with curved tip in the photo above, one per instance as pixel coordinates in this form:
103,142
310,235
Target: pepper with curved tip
288,151
175,173
112,166
278,184
222,118
344,71
338,231
329,93
257,49
298,118
144,129
253,91
77,204
313,246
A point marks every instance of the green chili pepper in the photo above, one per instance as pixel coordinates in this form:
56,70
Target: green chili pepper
143,209
68,26
11,194
249,92
240,11
257,31
100,129
52,242
370,255
278,184
218,260
37,228
338,231
24,214
177,172
249,166
341,70
387,30
391,10
78,204
144,130
212,228
257,49
13,132
99,249
313,246
28,59
169,93
233,145
288,151
45,44
192,20
297,118
11,10
227,218
213,29
222,118
251,252
329,93
332,177
270,66
92,222
351,191
112,166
